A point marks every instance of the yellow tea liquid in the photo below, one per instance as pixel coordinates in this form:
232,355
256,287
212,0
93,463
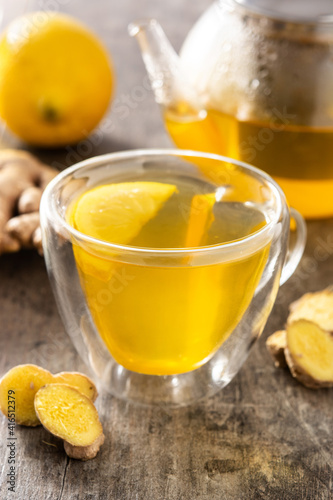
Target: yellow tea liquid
299,158
172,317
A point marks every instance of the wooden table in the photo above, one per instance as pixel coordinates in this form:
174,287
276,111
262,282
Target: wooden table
263,437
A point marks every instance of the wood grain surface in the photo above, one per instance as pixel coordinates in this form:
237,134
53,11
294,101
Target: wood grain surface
262,437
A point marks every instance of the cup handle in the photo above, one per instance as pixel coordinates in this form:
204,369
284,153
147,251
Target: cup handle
295,253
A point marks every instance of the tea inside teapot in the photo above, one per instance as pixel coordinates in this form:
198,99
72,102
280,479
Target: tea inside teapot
262,76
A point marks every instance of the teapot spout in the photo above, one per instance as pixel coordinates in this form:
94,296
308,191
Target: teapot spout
170,86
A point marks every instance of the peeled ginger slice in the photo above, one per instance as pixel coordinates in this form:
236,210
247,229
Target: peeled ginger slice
71,416
19,385
79,381
309,353
17,390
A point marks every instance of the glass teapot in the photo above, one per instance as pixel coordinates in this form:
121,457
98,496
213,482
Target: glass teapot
254,81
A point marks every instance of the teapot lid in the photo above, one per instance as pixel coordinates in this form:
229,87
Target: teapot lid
309,11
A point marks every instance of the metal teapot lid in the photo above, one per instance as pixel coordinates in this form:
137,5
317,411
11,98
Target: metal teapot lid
308,11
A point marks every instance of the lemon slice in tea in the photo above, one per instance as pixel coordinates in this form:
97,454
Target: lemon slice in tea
115,213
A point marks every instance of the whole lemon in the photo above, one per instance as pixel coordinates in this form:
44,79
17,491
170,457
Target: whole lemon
56,79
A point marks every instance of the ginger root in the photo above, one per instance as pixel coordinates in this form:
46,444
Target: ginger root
26,380
22,181
316,307
306,346
71,416
276,344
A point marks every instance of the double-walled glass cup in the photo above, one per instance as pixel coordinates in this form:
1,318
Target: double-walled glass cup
169,325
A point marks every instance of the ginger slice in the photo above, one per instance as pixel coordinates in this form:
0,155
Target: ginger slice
71,416
25,381
276,344
316,307
309,354
79,381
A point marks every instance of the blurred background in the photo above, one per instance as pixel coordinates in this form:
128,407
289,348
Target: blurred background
133,119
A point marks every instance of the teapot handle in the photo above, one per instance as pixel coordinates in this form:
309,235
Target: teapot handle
295,253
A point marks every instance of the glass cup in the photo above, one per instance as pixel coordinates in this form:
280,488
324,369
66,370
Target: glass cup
169,326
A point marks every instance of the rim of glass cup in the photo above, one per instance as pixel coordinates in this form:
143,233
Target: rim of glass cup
48,204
